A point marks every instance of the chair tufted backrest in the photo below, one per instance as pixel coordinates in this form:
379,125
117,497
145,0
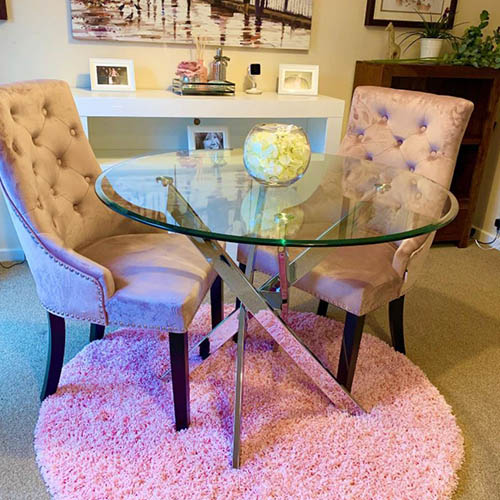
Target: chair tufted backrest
47,166
414,130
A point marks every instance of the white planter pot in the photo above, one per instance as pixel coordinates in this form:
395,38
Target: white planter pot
430,47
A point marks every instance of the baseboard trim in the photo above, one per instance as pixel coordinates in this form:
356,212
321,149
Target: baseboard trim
483,235
11,254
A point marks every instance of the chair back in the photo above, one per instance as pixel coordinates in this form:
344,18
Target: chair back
411,130
47,167
414,130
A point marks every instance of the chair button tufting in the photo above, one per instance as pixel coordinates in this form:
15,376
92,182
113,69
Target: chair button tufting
59,161
72,132
52,192
418,196
88,179
411,168
38,204
75,208
44,111
423,128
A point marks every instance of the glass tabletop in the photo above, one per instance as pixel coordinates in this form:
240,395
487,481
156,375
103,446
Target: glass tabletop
339,200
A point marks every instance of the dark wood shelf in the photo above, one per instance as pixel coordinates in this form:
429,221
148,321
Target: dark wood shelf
479,85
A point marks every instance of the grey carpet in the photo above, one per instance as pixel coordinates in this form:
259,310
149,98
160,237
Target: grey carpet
452,331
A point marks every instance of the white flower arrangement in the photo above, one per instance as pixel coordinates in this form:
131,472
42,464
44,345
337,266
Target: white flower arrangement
277,154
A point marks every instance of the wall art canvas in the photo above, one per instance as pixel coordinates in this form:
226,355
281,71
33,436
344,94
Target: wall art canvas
278,24
405,12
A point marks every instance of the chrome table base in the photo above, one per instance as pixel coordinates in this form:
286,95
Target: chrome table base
267,306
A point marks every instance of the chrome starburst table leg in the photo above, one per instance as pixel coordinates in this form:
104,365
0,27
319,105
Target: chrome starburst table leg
262,304
240,366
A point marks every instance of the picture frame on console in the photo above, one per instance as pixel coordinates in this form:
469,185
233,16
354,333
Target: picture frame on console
112,74
298,79
209,137
406,13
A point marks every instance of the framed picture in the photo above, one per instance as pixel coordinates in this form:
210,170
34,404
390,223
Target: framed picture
298,79
112,74
403,13
276,24
3,10
208,137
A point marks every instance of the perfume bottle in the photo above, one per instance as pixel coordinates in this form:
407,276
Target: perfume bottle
219,66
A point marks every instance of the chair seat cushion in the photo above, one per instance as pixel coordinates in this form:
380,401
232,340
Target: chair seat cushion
160,279
358,279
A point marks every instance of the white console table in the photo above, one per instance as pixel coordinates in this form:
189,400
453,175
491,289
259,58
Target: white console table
156,120
124,124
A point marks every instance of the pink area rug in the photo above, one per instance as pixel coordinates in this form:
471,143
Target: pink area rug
108,431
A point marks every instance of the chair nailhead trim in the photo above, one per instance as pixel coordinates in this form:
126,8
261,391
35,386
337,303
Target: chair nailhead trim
99,296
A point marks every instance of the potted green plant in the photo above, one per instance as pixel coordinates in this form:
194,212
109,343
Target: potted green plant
432,35
475,48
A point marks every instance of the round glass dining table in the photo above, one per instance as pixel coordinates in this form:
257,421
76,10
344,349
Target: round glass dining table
208,196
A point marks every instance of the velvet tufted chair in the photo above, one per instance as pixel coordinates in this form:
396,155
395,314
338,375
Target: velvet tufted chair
411,130
88,262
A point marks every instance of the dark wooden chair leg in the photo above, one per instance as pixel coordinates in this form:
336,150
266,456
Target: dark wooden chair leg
353,330
96,332
217,311
396,323
179,364
55,355
322,308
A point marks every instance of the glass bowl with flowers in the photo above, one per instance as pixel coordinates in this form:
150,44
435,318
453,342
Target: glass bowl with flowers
276,154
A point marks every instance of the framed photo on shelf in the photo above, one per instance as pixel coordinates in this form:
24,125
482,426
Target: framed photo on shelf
403,13
3,10
208,138
112,74
298,79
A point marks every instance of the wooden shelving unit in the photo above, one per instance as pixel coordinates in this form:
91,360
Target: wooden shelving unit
482,87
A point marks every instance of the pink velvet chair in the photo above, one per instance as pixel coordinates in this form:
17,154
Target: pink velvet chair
88,262
411,130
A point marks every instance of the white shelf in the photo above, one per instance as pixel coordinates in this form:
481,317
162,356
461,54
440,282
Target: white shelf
165,104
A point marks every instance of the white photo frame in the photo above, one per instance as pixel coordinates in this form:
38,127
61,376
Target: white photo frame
112,74
208,137
298,79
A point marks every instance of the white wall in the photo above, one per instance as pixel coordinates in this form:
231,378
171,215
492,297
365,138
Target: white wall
36,42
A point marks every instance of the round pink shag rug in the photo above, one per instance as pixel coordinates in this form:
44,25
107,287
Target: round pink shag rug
108,431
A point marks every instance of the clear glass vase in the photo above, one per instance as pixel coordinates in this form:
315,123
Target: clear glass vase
276,154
